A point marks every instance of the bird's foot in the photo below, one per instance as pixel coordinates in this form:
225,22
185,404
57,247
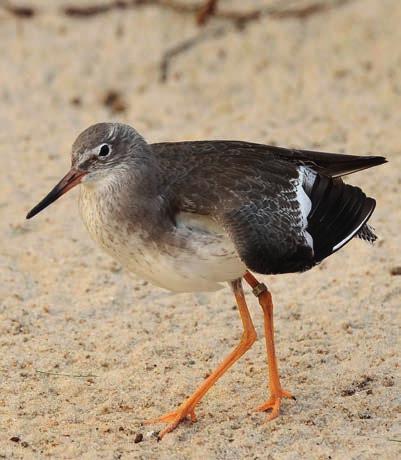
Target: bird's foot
174,419
274,403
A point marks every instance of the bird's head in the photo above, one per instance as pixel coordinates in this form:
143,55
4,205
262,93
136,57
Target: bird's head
100,154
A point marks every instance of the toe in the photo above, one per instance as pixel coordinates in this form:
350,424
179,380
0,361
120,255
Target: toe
287,394
174,418
274,404
275,410
191,414
166,418
265,406
168,429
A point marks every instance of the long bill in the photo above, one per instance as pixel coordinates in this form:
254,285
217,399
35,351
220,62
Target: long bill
70,180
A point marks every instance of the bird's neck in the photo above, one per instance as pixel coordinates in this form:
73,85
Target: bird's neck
126,195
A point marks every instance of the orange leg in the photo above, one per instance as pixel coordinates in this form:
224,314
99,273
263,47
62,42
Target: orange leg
187,408
276,391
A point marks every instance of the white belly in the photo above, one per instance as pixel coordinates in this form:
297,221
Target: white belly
208,258
199,267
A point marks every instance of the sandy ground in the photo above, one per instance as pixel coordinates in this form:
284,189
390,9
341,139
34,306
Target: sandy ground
88,351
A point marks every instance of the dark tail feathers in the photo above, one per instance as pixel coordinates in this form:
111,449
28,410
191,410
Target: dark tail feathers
339,212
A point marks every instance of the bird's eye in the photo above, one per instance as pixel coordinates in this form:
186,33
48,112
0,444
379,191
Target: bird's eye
104,150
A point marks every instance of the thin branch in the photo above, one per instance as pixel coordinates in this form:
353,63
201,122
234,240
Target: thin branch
171,53
19,11
79,11
203,11
207,9
305,11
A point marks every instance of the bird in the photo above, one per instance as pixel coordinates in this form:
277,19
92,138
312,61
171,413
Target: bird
194,215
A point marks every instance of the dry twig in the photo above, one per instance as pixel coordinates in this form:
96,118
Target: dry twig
183,46
203,10
206,9
20,11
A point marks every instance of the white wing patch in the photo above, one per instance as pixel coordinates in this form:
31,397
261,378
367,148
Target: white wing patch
306,179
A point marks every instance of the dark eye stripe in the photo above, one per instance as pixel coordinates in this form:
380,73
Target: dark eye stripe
104,150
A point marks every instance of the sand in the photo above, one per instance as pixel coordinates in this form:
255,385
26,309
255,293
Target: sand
89,351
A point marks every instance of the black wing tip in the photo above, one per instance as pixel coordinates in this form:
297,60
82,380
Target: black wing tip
349,164
375,160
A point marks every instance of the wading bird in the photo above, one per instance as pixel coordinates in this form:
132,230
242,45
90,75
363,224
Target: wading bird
189,216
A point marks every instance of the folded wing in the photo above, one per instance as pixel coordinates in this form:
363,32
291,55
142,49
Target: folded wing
284,209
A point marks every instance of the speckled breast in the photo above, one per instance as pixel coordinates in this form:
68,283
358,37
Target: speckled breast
196,256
